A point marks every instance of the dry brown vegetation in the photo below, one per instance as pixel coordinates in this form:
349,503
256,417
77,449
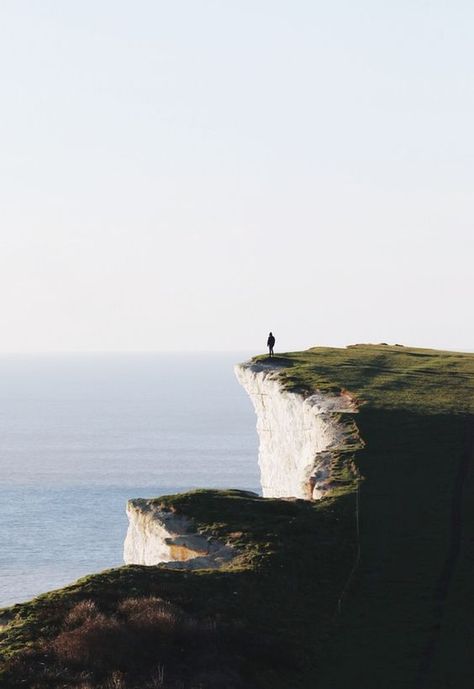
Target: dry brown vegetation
146,642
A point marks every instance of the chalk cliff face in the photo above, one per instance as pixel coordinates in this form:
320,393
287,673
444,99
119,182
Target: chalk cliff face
299,439
299,435
157,535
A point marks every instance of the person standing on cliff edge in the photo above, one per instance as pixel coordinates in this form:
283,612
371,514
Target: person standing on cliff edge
270,344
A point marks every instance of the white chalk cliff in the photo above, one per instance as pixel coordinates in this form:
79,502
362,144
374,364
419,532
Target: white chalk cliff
299,435
157,535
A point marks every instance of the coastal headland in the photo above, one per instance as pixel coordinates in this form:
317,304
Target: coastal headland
353,569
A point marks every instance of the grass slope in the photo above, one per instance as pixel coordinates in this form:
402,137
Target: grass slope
406,616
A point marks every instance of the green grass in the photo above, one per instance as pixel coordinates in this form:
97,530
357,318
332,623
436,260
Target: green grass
388,377
407,615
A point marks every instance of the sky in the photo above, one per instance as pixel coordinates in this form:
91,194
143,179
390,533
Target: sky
189,175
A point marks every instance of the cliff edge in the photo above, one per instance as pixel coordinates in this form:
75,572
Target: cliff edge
301,435
304,441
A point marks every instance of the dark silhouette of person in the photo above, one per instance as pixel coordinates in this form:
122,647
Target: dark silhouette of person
270,344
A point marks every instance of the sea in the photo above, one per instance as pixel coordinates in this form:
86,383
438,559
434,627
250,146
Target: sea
80,434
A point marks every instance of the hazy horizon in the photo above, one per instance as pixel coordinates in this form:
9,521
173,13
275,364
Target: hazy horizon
243,353
189,176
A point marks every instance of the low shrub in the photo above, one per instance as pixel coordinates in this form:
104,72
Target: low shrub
97,643
144,643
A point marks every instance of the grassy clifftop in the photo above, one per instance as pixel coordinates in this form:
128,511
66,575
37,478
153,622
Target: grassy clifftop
299,607
386,377
407,621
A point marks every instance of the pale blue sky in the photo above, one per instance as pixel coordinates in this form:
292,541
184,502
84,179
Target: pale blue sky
192,174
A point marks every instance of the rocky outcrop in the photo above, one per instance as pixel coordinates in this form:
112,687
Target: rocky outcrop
299,435
158,535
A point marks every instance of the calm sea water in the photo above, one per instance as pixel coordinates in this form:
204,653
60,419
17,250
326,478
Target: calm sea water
80,434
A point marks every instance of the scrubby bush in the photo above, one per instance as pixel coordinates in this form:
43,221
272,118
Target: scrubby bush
85,610
143,643
97,643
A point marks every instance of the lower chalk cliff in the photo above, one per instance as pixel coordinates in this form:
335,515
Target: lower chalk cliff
301,436
157,535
